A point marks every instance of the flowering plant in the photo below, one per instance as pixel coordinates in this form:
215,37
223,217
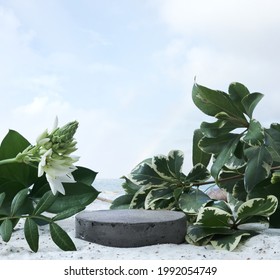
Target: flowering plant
40,184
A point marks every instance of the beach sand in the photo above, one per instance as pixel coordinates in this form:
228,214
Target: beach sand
265,246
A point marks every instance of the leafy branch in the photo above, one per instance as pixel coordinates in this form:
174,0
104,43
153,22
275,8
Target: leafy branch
245,164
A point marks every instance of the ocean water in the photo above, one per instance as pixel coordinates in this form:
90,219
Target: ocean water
109,185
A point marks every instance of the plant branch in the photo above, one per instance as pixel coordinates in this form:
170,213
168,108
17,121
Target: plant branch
241,176
8,160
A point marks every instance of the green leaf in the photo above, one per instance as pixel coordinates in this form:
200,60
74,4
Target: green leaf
2,197
224,156
145,174
255,223
76,195
257,207
129,186
175,162
160,198
250,102
84,175
122,202
237,92
198,232
160,165
212,102
272,137
68,213
192,201
138,200
229,242
216,129
275,177
31,234
6,230
12,144
216,145
213,217
198,174
18,201
198,155
258,166
255,134
61,238
45,203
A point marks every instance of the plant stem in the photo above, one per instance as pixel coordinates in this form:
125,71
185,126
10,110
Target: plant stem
8,160
43,218
241,176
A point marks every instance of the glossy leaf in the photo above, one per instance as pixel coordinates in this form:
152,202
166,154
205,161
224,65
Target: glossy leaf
76,195
138,200
12,144
68,213
159,198
213,217
229,242
257,207
84,175
61,238
122,202
237,92
216,129
258,166
224,156
213,102
129,187
18,201
255,134
192,201
6,230
272,136
175,162
197,232
31,234
145,174
45,203
199,173
250,102
216,145
198,155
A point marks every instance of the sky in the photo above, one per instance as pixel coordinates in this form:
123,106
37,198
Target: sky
125,70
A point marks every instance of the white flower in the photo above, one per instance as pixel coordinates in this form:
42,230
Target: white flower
58,170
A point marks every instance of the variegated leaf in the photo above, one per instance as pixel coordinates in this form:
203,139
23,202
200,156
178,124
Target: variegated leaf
257,207
197,232
154,199
213,217
175,162
192,201
250,101
199,156
145,174
255,134
138,200
224,155
229,242
202,242
258,166
199,173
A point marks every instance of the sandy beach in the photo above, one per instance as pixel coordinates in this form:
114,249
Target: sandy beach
265,246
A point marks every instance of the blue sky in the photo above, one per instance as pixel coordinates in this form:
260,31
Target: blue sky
125,69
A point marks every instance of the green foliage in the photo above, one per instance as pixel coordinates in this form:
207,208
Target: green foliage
245,163
224,225
24,195
159,183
